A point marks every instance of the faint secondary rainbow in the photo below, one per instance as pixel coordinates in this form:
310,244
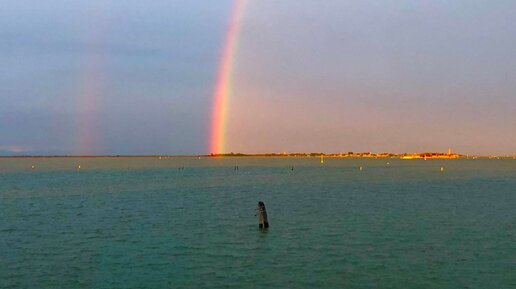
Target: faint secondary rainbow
88,102
222,91
91,89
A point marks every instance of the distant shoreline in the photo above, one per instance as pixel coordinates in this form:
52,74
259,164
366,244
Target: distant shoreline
405,156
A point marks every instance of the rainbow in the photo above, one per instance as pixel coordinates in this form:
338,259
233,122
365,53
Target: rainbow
88,106
222,90
91,89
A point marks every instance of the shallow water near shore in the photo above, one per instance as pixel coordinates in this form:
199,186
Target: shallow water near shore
190,223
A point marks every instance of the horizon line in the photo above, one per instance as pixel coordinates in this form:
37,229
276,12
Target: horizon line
277,154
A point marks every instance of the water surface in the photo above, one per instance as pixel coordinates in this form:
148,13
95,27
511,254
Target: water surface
189,223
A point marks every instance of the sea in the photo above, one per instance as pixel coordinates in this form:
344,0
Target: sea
188,222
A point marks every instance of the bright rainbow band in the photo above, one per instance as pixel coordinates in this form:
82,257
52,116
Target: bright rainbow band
223,84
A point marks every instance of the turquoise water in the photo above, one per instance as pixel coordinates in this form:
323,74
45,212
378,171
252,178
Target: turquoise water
145,223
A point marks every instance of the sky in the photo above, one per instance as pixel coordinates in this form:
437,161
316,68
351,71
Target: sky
138,77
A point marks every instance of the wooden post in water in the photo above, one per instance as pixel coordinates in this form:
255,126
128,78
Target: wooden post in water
262,216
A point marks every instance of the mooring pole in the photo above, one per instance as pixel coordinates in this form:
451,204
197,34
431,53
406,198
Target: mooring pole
262,216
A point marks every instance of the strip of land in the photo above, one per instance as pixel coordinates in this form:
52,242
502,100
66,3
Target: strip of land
405,156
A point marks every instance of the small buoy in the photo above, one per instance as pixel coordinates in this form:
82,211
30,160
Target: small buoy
79,167
33,167
292,168
361,168
388,163
442,169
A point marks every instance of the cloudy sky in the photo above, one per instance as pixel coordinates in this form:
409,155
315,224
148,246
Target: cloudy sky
137,77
